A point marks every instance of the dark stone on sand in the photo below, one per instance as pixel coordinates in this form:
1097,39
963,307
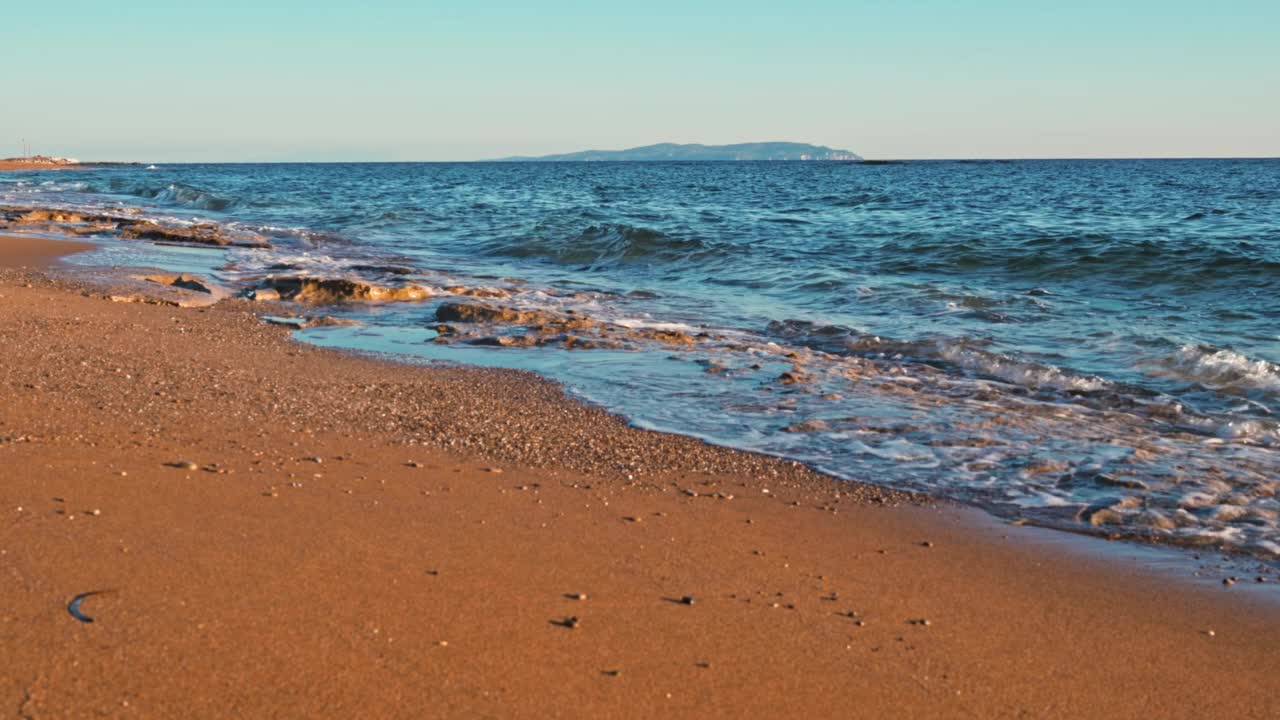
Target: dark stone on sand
186,282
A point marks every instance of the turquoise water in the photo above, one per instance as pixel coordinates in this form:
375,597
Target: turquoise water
1086,344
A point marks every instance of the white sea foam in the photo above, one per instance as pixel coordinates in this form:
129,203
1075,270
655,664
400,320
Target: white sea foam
1220,369
1019,372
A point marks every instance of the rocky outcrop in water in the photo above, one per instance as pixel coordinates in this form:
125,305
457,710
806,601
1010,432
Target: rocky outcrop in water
325,291
121,225
195,234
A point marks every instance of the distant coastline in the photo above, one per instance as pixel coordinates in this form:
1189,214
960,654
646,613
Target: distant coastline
44,162
761,151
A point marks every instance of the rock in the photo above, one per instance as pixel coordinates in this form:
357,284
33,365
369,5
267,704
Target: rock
477,291
331,321
687,600
264,295
807,426
496,314
666,337
184,281
183,465
506,341
204,234
327,291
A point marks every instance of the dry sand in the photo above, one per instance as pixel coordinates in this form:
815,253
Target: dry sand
356,538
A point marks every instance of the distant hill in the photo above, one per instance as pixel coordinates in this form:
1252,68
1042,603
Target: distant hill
674,151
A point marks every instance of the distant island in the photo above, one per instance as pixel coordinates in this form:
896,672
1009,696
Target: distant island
692,151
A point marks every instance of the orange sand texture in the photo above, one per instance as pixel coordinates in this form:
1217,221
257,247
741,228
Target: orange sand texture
285,531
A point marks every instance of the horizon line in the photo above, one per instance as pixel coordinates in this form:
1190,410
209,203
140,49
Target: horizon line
535,160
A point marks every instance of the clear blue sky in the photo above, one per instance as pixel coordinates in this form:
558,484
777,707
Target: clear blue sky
426,80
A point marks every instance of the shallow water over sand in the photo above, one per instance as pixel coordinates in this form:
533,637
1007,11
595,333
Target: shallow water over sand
1092,345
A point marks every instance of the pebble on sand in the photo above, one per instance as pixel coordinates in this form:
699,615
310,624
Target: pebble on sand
183,465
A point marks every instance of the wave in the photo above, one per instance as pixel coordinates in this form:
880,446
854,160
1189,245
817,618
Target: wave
954,353
1091,255
605,245
1220,369
171,194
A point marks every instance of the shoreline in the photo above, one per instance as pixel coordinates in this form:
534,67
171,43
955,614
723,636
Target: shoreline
329,555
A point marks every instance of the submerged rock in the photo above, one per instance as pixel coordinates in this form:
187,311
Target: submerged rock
807,426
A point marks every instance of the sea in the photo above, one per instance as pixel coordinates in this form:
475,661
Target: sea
1089,345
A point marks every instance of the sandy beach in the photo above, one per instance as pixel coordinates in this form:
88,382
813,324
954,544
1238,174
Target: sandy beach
276,530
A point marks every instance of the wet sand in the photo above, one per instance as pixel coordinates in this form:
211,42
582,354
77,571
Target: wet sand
18,251
357,538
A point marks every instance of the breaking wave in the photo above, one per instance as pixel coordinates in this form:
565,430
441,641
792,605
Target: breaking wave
1221,369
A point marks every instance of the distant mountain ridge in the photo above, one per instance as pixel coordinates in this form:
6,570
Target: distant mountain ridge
694,151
